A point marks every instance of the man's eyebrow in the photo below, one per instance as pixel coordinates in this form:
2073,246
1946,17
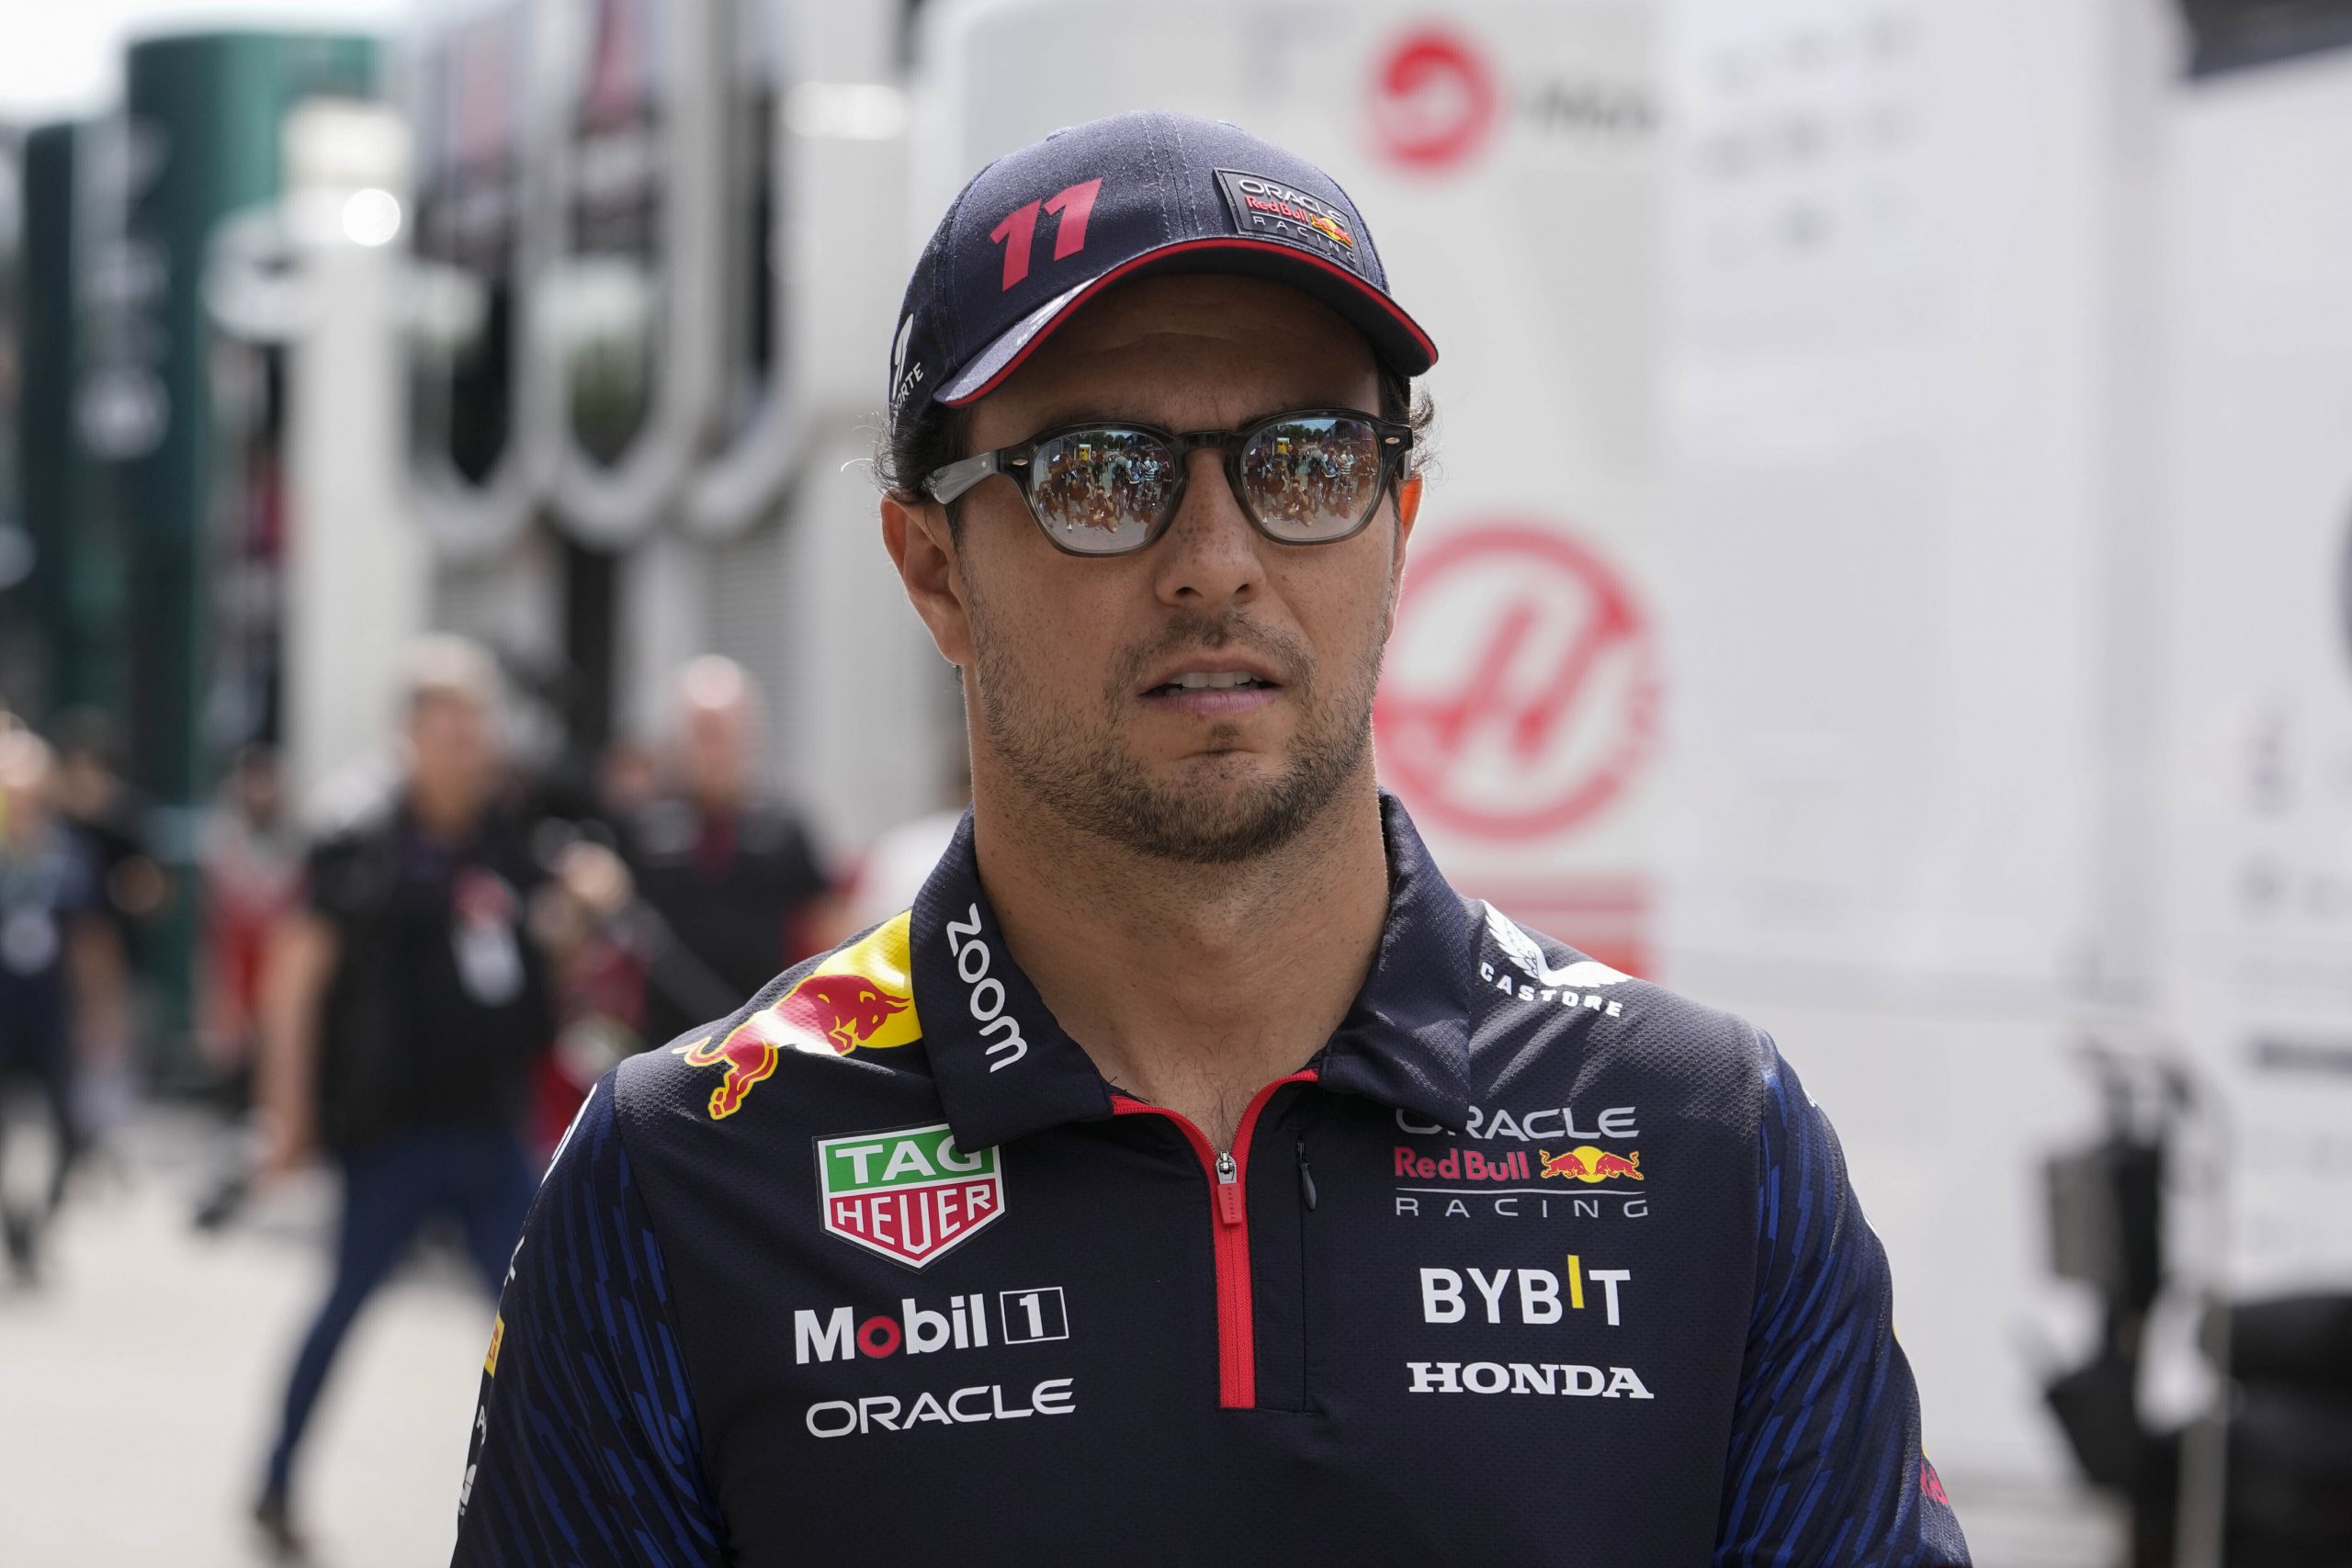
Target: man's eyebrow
1056,416
1061,416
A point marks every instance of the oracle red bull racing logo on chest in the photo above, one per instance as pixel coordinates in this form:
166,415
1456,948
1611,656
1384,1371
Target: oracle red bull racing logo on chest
910,1194
860,998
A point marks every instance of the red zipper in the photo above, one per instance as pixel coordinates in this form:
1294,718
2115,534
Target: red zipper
1236,1332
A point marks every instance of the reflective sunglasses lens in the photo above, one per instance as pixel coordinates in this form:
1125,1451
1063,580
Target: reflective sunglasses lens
1099,491
1314,478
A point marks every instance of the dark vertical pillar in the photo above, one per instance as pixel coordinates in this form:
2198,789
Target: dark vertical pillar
204,114
591,598
74,596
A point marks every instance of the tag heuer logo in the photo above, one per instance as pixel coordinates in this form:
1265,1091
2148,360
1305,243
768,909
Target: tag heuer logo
909,1195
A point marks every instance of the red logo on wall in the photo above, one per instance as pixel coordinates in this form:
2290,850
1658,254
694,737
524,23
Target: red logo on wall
1521,689
1434,99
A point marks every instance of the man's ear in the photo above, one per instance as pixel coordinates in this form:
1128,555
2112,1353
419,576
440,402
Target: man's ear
1409,508
922,547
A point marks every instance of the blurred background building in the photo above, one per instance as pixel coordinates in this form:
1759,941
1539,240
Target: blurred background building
1889,571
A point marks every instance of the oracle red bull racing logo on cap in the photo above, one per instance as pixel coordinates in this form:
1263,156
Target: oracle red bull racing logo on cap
910,1194
1272,209
860,998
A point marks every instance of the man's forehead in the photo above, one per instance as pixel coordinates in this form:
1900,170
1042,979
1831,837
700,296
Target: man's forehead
1218,306
1191,336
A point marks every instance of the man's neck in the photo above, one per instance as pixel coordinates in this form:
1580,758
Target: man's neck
1191,987
450,820
716,805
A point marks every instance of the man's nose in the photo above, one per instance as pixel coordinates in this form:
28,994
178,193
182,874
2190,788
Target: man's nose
1209,556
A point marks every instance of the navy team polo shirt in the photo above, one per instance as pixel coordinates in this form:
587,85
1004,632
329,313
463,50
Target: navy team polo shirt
1533,1262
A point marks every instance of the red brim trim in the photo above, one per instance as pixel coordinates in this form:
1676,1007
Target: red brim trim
1288,253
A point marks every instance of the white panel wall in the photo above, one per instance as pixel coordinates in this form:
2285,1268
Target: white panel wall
2256,480
1902,232
1893,432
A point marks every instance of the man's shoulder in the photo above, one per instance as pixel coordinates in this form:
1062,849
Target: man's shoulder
767,825
819,1042
661,831
348,863
354,836
1542,1007
65,852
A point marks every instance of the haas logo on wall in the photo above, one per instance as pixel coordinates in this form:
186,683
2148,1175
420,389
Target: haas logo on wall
1434,99
1521,688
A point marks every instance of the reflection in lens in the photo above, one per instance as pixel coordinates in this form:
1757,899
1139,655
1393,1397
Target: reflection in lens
1312,478
1099,491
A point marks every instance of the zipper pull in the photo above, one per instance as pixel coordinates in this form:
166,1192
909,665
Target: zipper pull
1305,1177
1229,1190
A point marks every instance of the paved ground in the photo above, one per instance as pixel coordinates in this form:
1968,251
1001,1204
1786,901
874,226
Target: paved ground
137,1384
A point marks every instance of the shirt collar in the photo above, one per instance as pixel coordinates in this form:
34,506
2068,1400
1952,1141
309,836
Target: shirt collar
1005,1068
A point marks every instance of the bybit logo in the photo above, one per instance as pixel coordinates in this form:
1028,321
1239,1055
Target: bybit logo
1536,1299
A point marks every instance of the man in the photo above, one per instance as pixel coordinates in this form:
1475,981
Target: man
251,862
106,814
403,1006
61,974
1191,1175
732,879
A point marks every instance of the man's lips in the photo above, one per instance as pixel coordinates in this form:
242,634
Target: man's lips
1212,687
1208,672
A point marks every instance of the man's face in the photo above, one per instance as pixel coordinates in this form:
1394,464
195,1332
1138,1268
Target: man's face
26,778
716,752
454,754
1075,660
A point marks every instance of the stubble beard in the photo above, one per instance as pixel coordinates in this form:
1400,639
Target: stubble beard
1071,762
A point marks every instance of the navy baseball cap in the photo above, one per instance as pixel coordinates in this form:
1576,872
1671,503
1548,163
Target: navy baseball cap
1040,231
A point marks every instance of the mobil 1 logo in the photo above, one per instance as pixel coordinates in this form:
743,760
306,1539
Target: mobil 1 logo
1029,1316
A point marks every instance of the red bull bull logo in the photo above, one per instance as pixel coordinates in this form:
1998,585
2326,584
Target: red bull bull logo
748,1058
1328,226
1586,1164
847,1009
859,999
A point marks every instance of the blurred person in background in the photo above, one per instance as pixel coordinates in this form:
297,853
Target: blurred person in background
629,779
62,975
250,857
729,873
405,1001
252,861
108,814
899,860
600,939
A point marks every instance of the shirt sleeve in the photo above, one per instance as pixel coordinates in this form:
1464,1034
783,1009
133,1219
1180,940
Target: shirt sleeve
80,892
800,881
585,1448
335,877
1825,1467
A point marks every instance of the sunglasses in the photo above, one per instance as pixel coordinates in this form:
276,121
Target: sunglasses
1312,477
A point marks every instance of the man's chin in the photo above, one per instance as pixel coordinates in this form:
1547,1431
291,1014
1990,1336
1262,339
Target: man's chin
1218,808
1220,783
